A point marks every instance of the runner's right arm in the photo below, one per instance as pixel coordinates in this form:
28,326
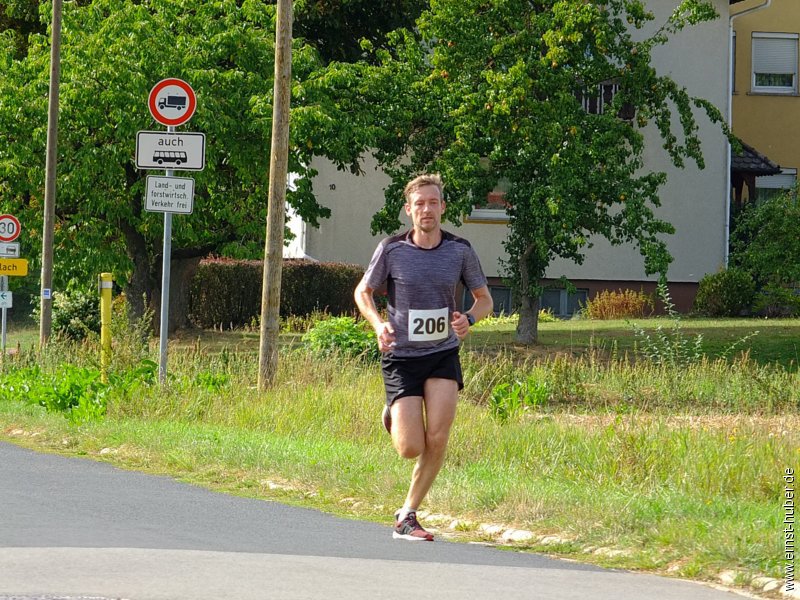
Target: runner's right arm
366,304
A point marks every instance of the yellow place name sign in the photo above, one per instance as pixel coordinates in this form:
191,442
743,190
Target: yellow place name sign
14,267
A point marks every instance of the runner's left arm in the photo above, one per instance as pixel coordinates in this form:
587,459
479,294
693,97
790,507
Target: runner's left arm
481,307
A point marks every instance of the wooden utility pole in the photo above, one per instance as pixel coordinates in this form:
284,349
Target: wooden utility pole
45,312
278,170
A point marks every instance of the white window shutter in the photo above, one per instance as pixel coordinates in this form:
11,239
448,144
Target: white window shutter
774,55
782,181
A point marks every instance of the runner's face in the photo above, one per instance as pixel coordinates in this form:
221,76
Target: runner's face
425,207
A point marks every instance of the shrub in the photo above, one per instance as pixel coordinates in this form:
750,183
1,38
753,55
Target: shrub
228,292
728,293
775,300
622,304
342,336
545,316
765,244
76,314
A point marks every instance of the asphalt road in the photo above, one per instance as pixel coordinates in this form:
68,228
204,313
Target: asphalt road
78,528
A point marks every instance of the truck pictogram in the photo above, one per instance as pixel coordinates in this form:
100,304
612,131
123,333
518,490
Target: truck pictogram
176,102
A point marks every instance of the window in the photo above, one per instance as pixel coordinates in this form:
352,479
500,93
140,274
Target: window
775,63
501,297
559,302
563,304
595,101
771,186
595,104
493,212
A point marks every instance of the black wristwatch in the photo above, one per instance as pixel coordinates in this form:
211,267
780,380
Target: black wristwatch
470,319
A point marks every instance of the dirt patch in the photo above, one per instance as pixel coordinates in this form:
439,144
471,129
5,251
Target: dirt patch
778,425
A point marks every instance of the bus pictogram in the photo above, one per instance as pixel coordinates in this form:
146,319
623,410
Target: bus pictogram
169,156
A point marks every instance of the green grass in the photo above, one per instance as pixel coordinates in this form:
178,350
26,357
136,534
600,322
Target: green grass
769,341
677,466
24,336
773,341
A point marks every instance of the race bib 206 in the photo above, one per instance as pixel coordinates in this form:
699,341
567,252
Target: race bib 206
428,325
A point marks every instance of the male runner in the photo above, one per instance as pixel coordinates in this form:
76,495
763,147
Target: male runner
420,341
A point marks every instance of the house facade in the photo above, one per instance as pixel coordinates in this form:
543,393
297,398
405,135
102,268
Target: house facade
766,96
695,201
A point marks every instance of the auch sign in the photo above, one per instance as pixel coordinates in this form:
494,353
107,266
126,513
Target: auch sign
168,150
14,267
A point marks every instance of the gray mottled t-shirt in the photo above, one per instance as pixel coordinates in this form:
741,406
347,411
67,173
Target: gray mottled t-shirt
421,284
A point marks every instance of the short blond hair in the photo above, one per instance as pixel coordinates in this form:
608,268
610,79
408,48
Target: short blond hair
423,180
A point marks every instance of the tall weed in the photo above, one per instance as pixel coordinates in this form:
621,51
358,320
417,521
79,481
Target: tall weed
668,345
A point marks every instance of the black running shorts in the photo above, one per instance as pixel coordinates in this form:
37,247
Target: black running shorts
406,376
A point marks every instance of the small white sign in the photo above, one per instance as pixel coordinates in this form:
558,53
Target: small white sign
6,299
9,249
46,294
169,194
163,150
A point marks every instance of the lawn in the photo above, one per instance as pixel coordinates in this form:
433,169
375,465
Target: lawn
674,468
24,335
768,341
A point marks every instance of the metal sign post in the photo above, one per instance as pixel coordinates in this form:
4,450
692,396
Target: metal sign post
4,288
166,264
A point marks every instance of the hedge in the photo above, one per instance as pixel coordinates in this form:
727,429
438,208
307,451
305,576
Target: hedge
228,292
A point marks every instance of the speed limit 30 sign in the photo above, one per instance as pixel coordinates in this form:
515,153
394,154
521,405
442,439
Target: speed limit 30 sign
9,228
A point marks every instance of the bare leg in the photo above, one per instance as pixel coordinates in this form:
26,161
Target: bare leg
426,438
408,426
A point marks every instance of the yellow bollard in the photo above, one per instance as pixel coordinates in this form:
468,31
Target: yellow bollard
106,282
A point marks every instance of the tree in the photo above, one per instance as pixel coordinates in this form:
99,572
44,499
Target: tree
113,52
334,27
19,18
491,94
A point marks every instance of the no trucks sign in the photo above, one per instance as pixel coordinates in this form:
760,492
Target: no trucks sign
172,102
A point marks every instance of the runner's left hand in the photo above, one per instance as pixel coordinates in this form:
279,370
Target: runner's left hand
460,325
